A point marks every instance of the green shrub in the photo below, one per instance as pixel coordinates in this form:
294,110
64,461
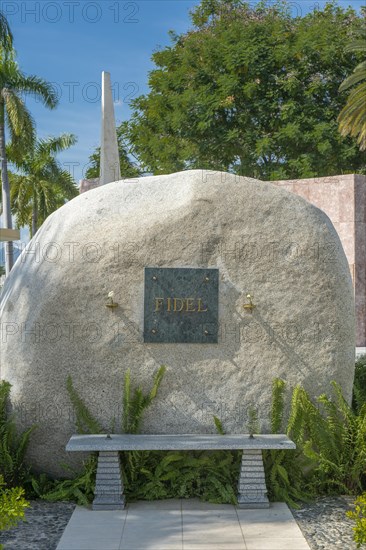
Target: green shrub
359,515
12,505
333,437
134,406
286,470
13,446
211,476
36,485
79,488
330,437
359,384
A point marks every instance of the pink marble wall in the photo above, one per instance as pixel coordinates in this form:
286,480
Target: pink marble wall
343,199
86,185
360,247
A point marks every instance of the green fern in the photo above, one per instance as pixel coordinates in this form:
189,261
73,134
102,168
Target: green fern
331,446
79,489
278,405
5,388
219,426
126,402
337,443
135,406
36,485
285,470
85,421
156,384
253,421
13,446
359,385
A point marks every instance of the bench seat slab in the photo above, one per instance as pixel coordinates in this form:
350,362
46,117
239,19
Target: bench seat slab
183,442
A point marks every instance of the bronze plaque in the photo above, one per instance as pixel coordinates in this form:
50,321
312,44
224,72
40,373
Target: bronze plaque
181,305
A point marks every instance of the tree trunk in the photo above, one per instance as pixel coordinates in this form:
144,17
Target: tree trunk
5,189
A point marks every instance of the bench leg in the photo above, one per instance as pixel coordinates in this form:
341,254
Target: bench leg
252,483
109,485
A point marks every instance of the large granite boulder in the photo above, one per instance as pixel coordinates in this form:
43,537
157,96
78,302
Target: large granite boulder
265,241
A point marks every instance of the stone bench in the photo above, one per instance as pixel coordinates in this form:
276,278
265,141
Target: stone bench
252,491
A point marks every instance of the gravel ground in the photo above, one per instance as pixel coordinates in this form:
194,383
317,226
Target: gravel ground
42,530
323,523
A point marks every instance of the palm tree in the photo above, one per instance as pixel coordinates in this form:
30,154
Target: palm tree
6,37
352,118
42,185
15,115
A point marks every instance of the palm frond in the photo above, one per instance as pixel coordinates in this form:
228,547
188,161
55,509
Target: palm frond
358,75
38,87
352,118
20,121
6,36
356,46
54,145
42,184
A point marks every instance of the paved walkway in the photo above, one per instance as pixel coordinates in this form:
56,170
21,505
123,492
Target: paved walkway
183,525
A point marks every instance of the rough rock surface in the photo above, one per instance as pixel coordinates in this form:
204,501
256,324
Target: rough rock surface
264,241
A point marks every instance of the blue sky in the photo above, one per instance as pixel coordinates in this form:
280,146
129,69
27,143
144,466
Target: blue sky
69,43
73,50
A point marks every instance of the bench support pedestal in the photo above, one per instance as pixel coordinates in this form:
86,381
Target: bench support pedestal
109,485
252,483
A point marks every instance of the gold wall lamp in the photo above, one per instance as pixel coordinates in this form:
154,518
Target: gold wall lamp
111,303
250,306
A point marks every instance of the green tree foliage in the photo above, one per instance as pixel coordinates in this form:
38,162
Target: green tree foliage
128,168
352,118
41,185
252,90
15,116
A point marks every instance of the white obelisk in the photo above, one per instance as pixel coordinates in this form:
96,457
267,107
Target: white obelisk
109,158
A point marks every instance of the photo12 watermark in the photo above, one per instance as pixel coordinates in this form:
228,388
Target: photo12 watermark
72,12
